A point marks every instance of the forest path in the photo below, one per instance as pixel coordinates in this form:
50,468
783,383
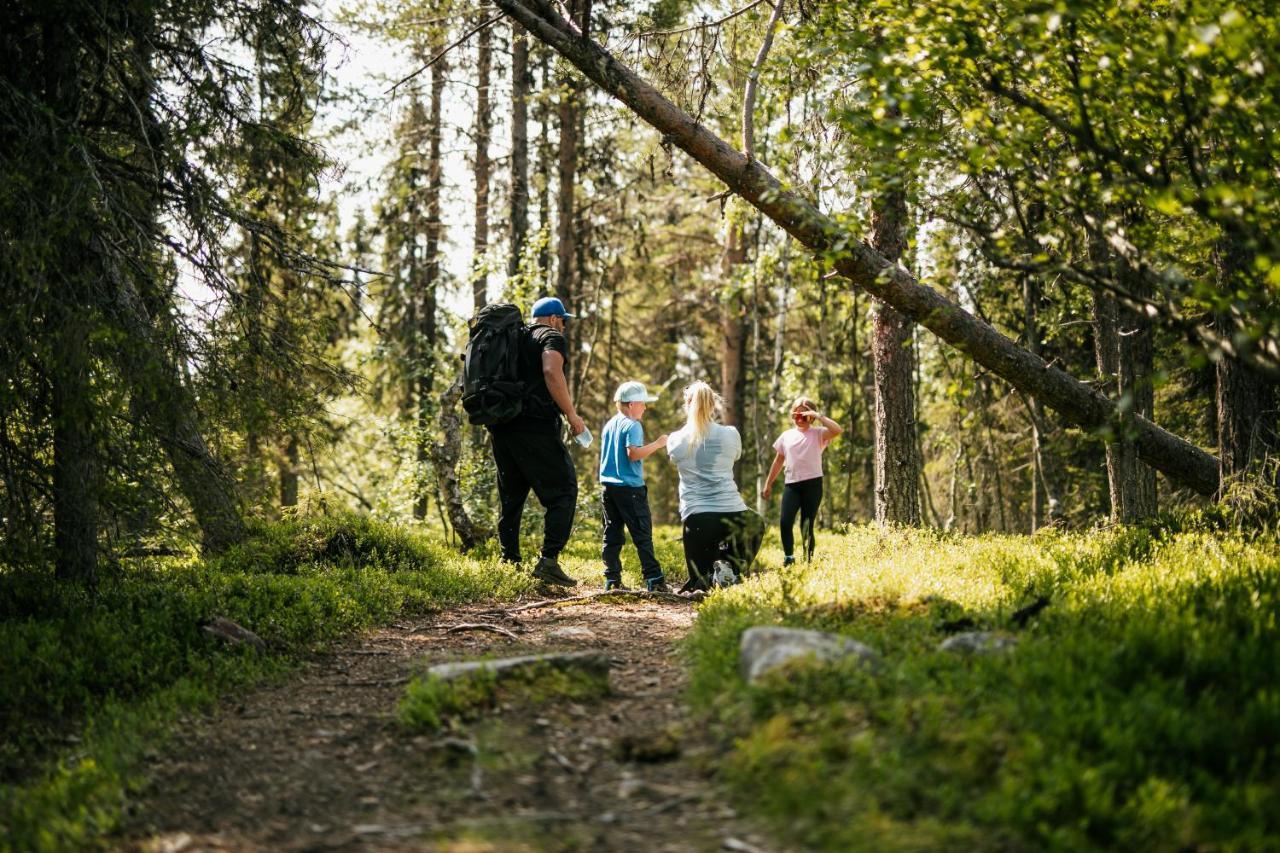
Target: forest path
320,761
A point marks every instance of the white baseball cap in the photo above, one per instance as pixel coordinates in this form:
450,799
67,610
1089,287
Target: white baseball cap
633,392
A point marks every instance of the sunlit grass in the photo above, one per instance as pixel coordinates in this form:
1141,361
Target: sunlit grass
1139,709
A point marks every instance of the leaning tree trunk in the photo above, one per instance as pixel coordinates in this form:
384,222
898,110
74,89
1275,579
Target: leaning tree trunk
447,452
170,409
897,463
860,263
480,276
521,83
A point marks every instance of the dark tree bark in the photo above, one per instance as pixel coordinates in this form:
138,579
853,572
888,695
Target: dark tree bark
733,330
289,473
426,330
484,124
1245,400
1123,353
1043,502
897,467
521,83
447,452
75,463
857,261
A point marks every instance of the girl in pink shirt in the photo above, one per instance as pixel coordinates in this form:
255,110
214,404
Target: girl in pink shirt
800,450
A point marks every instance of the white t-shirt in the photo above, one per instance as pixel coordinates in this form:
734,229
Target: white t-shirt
706,473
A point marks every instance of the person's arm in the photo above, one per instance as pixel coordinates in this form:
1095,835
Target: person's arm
553,375
635,452
833,429
778,461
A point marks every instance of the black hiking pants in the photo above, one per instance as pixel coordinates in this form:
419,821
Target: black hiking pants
712,536
804,498
540,462
628,507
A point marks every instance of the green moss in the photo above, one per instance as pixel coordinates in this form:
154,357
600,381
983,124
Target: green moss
1138,710
431,703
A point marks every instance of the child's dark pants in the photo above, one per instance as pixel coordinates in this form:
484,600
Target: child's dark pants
628,506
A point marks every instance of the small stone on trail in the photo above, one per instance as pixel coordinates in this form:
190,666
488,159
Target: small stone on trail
650,747
977,643
765,648
572,633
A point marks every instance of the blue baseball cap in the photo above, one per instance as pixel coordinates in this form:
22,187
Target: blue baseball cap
549,306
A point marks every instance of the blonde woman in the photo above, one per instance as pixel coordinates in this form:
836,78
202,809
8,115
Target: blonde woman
720,534
799,449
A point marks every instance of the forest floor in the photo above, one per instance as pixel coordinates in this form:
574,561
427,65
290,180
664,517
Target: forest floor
320,761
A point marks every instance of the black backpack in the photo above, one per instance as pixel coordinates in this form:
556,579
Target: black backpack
492,392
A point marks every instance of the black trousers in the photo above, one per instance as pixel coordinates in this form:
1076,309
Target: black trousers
537,461
804,498
711,536
628,507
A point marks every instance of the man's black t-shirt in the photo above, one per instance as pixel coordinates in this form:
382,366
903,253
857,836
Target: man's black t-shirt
541,414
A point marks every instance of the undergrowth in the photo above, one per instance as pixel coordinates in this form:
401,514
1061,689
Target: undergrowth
1139,710
91,676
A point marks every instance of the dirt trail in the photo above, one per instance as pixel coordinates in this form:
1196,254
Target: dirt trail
320,762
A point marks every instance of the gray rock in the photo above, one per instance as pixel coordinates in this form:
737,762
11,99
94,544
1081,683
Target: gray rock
977,643
572,633
592,664
766,648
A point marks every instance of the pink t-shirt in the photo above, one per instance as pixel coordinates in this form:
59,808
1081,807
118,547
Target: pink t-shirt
803,451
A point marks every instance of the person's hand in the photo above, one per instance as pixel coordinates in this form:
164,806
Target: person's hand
576,424
767,491
661,440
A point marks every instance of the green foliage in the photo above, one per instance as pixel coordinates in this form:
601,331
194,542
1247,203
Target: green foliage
1138,710
129,655
431,703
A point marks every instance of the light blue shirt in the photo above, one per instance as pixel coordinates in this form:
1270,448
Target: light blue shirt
706,472
616,469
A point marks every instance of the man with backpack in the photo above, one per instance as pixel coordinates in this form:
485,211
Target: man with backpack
514,384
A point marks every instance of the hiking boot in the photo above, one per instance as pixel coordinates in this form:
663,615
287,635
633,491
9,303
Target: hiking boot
788,560
612,584
549,571
658,586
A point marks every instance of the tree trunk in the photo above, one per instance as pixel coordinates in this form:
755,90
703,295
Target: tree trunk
484,121
426,367
447,452
1246,401
289,473
1122,349
521,83
733,328
1043,502
859,262
75,464
893,361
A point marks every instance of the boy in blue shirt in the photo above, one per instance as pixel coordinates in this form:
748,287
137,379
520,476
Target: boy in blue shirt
626,498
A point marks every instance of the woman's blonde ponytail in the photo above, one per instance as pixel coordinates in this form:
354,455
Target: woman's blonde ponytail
701,406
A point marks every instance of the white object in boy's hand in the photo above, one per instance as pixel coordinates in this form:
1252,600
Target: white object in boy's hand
584,437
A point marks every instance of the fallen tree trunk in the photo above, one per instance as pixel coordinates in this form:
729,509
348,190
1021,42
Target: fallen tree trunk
1178,459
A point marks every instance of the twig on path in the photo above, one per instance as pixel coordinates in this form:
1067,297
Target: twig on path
385,682
559,758
668,805
592,596
739,845
363,652
480,626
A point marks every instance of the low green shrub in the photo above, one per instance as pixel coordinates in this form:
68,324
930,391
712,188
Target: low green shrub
1138,710
91,664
